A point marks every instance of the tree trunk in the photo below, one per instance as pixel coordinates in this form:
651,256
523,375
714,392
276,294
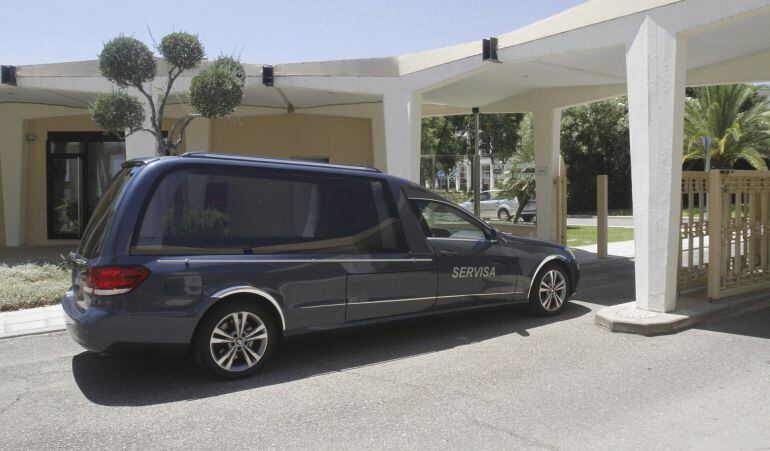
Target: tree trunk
523,201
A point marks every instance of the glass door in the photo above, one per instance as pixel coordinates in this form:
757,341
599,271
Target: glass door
80,167
65,190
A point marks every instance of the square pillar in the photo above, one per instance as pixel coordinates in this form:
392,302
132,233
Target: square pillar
656,66
547,128
403,125
13,170
198,135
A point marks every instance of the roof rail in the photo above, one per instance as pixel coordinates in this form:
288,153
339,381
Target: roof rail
231,157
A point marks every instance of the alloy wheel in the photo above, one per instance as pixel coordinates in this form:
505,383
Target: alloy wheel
553,290
238,341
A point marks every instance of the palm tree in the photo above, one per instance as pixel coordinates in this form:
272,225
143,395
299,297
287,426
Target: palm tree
520,179
738,123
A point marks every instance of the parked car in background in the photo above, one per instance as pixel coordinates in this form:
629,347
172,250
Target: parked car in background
494,205
224,255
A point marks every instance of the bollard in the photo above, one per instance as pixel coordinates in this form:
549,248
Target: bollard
601,216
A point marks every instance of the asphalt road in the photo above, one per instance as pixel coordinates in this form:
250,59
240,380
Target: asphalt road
499,379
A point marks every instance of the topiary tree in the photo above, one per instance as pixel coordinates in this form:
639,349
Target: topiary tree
215,91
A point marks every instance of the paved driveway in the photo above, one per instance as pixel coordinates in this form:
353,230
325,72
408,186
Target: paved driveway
497,379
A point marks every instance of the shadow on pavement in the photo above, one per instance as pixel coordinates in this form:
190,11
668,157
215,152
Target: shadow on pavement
136,380
606,282
750,324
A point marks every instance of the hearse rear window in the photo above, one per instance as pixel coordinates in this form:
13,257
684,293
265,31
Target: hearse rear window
217,211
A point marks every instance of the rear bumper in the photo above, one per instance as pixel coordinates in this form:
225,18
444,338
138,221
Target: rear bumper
99,330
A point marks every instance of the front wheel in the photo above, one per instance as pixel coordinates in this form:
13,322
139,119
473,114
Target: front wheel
550,291
235,340
527,218
503,215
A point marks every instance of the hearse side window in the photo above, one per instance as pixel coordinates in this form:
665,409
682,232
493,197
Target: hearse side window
96,231
217,211
440,220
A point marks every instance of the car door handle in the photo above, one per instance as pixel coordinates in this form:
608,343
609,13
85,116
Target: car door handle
448,253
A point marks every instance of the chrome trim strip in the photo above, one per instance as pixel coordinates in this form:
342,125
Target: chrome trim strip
290,260
249,289
550,258
478,294
458,239
390,300
323,305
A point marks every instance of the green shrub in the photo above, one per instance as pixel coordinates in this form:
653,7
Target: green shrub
32,285
197,223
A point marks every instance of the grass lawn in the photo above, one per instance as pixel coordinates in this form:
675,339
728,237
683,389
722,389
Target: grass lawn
31,285
585,235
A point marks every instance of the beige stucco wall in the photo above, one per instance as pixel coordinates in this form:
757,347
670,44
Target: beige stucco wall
342,139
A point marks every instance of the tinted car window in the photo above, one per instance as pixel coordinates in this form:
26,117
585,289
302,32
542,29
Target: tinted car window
443,221
93,237
210,211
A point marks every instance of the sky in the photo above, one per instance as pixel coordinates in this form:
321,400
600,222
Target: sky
260,32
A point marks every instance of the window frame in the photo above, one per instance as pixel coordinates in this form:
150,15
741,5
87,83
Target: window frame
256,170
83,139
461,212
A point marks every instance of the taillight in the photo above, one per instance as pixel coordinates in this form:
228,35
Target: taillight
109,280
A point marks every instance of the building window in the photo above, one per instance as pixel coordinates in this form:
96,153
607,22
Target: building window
79,167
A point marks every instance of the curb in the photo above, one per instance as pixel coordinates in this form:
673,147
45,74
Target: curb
626,318
40,331
33,321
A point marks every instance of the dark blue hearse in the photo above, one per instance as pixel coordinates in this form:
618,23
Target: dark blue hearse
224,255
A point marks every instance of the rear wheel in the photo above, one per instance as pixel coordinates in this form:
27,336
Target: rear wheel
527,218
503,215
550,291
235,340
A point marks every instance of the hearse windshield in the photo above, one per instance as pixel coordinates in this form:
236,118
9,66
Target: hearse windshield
242,210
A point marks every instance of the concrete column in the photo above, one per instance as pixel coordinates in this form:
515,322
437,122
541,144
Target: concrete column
13,169
379,149
198,135
656,65
403,125
141,144
547,125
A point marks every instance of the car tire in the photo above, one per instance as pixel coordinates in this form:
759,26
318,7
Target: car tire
235,339
503,215
550,291
527,218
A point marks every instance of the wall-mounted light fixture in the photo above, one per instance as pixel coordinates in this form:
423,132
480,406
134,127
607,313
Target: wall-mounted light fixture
8,75
31,137
489,50
268,78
